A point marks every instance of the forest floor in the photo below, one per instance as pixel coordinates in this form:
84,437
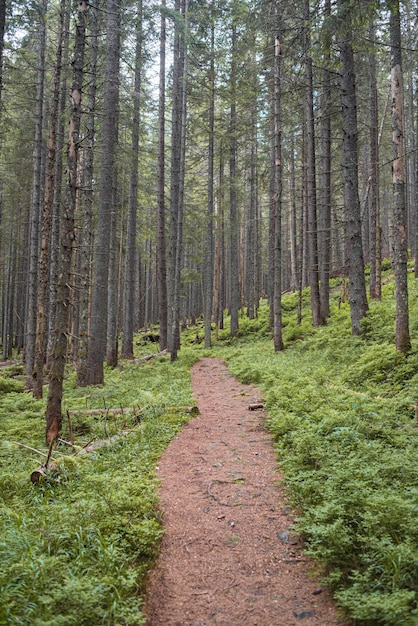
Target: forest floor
229,556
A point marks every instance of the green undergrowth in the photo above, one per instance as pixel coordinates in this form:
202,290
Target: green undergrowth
341,410
75,548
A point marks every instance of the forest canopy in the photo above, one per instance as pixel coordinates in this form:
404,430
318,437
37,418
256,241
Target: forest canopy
162,162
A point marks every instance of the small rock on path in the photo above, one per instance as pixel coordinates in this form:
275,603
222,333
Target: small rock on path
227,556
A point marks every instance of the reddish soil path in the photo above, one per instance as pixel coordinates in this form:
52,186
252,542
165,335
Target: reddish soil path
227,557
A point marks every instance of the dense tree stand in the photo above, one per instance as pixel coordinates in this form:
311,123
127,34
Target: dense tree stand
227,555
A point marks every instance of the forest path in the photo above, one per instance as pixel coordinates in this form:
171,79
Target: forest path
227,555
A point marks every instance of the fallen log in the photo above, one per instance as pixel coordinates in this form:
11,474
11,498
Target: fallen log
144,359
103,411
40,473
22,445
137,411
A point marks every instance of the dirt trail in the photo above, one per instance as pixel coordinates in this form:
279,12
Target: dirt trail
227,556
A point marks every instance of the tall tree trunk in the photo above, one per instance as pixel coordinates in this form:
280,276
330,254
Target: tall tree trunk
294,261
400,243
86,242
324,237
233,208
35,204
219,291
272,192
56,207
416,158
312,234
208,263
177,177
277,198
374,225
2,28
113,288
252,223
98,330
131,251
44,259
354,248
161,246
59,345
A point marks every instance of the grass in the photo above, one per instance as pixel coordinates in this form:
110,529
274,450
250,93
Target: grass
75,549
341,411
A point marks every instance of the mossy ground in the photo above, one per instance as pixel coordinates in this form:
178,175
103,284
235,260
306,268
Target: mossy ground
75,549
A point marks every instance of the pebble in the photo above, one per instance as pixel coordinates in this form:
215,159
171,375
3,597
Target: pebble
303,614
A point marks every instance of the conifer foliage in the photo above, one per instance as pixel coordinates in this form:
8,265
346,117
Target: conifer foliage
216,158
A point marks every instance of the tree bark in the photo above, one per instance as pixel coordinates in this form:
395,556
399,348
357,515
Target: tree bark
324,235
98,329
208,263
277,198
400,243
233,209
161,246
131,251
86,242
312,233
374,221
178,147
44,259
113,288
354,248
35,204
59,345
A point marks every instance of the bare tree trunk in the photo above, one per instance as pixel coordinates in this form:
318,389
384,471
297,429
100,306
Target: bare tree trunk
272,191
113,288
416,158
324,236
177,178
35,204
56,207
59,345
44,259
208,263
312,234
233,209
2,27
86,241
252,223
354,251
161,247
400,242
277,200
374,228
131,251
98,330
219,290
294,271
